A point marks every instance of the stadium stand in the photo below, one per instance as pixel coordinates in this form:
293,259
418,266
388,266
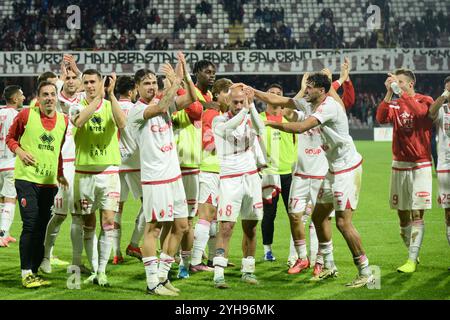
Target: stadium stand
134,24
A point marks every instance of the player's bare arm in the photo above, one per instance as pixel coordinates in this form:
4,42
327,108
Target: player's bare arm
156,109
187,99
249,104
301,92
26,157
274,99
85,114
290,115
437,104
389,92
295,127
345,71
119,116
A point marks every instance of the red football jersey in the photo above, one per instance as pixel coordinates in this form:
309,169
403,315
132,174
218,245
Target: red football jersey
412,126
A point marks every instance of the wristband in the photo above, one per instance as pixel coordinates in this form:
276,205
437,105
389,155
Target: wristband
445,94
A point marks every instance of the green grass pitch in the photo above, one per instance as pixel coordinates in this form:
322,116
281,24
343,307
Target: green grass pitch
375,221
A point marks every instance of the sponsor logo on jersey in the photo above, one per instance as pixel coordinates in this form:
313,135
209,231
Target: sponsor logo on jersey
338,194
47,140
156,128
313,151
422,194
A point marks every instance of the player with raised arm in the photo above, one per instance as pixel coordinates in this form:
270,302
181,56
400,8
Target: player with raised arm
309,173
14,99
340,188
277,177
188,135
129,173
440,113
164,199
97,160
411,181
206,227
67,97
240,185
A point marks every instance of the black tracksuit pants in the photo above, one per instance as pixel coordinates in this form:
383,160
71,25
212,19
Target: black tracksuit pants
270,210
35,204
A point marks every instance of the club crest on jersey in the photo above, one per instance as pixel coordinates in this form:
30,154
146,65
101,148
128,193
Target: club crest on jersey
23,202
407,120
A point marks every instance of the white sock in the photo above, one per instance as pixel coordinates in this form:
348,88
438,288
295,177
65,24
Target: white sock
139,227
90,244
76,235
165,263
362,263
319,258
53,227
212,240
417,231
7,217
151,271
248,265
326,250
26,272
292,251
185,259
201,236
212,247
300,248
105,246
220,264
267,248
117,233
313,242
116,236
405,233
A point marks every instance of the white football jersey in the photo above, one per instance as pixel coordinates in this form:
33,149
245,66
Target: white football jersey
155,139
337,143
235,147
7,158
443,131
311,160
129,150
64,105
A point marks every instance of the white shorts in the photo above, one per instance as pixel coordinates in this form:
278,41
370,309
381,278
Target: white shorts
96,191
242,194
209,188
64,202
7,188
304,189
165,201
411,186
130,180
191,188
444,188
341,189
